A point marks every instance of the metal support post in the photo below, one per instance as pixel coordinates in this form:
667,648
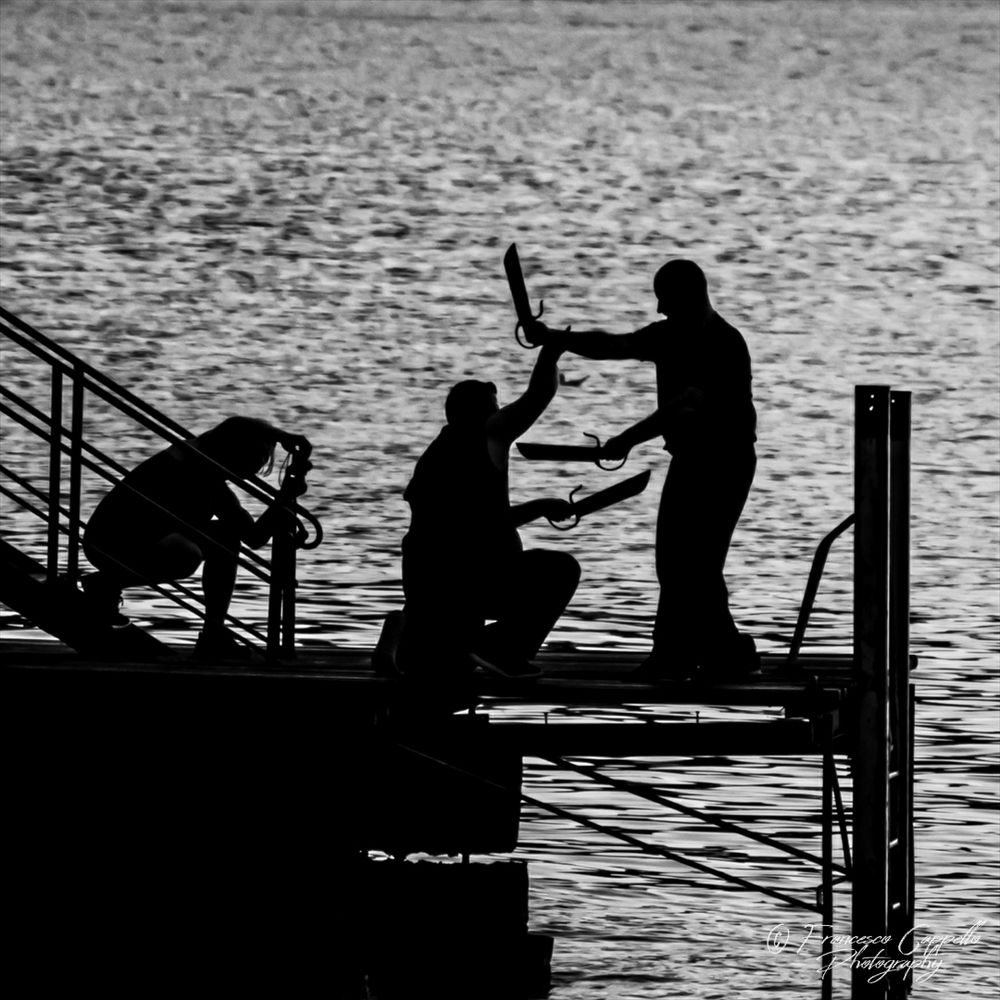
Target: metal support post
900,714
75,475
55,475
826,955
869,902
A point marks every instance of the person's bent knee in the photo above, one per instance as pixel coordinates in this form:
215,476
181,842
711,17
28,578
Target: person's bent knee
557,567
179,556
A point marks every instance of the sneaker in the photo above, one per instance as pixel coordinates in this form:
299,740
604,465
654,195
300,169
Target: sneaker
739,662
105,601
659,667
495,659
217,643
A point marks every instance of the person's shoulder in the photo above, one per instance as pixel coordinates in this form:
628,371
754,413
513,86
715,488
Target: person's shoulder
650,342
721,323
725,329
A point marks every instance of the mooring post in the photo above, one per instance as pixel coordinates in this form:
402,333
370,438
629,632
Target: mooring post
870,764
900,693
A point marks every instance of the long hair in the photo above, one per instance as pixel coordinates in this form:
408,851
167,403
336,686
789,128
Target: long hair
240,441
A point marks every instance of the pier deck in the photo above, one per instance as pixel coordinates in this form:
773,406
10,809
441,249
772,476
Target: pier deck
813,697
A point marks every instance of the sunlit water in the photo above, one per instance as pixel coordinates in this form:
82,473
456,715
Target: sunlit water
298,210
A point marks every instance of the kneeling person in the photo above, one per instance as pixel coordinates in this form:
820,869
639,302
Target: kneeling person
463,561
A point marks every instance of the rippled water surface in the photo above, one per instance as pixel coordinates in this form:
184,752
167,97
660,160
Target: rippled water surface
298,210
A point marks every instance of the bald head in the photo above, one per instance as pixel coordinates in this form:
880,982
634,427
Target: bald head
681,290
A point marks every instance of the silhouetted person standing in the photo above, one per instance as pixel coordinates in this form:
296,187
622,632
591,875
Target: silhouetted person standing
463,560
706,416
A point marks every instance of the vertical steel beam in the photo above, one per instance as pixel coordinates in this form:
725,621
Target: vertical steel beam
901,736
869,902
55,474
826,953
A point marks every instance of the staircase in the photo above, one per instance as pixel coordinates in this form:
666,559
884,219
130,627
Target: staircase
47,593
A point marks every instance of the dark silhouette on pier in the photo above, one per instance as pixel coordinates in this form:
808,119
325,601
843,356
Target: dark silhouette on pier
706,416
463,561
174,511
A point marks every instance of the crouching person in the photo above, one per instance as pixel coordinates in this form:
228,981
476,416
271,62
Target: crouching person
463,561
174,511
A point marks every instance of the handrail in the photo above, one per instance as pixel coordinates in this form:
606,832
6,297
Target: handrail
247,556
83,378
812,586
140,411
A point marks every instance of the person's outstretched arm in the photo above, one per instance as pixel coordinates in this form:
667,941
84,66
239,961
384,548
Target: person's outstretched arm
598,345
644,430
674,417
553,508
511,421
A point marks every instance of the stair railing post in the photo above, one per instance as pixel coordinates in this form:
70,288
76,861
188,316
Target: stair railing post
55,474
901,856
288,608
869,902
75,475
275,597
281,596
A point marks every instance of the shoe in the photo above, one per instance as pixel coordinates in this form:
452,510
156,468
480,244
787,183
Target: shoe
739,661
495,659
659,667
384,656
105,601
218,643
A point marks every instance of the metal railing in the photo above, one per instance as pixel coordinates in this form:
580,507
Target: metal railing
812,588
86,383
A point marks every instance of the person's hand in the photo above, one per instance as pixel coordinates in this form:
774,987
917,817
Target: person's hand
536,332
294,483
615,448
556,510
297,445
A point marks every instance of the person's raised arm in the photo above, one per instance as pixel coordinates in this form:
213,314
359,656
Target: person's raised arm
511,421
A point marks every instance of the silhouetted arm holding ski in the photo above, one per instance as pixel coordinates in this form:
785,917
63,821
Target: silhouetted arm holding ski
552,508
676,413
512,420
673,414
597,345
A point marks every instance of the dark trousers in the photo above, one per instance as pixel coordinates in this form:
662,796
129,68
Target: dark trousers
448,603
703,497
